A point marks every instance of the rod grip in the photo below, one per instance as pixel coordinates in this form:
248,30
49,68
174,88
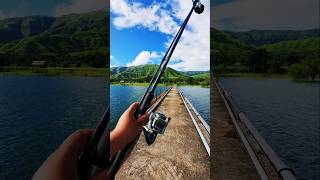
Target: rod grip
143,105
95,157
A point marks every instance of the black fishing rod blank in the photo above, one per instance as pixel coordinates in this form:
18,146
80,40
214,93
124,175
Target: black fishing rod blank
145,101
96,156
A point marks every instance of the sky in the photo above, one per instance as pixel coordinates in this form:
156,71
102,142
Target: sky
243,15
141,31
18,8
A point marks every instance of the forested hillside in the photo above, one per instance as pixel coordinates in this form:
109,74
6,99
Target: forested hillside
144,73
75,40
293,52
262,37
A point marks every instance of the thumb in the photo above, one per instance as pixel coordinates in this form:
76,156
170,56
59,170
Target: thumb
132,109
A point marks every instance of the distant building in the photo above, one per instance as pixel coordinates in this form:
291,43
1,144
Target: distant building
122,81
40,64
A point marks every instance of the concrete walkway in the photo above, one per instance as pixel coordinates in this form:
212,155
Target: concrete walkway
230,160
177,154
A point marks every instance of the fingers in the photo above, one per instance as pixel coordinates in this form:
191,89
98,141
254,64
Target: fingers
104,175
143,119
75,143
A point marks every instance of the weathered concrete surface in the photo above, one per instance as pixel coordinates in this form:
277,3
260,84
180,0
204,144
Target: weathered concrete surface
177,154
229,158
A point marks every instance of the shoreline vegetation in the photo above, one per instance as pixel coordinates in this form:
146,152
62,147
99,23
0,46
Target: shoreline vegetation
147,84
261,76
54,71
104,72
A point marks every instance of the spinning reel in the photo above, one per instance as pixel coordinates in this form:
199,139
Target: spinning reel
156,125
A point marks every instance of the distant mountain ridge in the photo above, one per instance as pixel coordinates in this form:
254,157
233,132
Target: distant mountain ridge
307,48
16,28
146,70
144,73
193,73
117,70
263,37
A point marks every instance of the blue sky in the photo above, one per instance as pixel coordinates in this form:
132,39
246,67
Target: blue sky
140,32
17,8
126,44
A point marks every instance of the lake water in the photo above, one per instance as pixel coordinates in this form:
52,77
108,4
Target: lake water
121,97
38,112
200,99
286,113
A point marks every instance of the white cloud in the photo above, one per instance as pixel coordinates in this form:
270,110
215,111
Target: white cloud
266,14
144,57
80,6
113,61
193,49
134,14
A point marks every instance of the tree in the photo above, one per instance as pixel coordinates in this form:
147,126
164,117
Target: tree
298,71
305,69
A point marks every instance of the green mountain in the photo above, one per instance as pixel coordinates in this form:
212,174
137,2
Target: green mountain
202,76
193,73
262,37
234,52
70,40
227,50
117,70
301,49
143,72
17,28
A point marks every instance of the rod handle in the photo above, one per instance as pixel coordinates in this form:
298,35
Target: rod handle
143,105
95,157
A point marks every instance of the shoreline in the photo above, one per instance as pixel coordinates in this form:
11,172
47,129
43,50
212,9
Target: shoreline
256,75
147,84
54,71
104,72
261,76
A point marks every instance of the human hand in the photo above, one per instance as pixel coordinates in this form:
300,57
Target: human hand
63,163
127,129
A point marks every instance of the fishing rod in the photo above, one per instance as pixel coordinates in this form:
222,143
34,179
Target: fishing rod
96,156
157,121
149,94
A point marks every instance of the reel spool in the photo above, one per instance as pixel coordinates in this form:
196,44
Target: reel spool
156,125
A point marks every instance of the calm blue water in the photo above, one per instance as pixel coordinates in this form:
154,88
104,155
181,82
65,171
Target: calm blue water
287,114
200,99
38,112
121,97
